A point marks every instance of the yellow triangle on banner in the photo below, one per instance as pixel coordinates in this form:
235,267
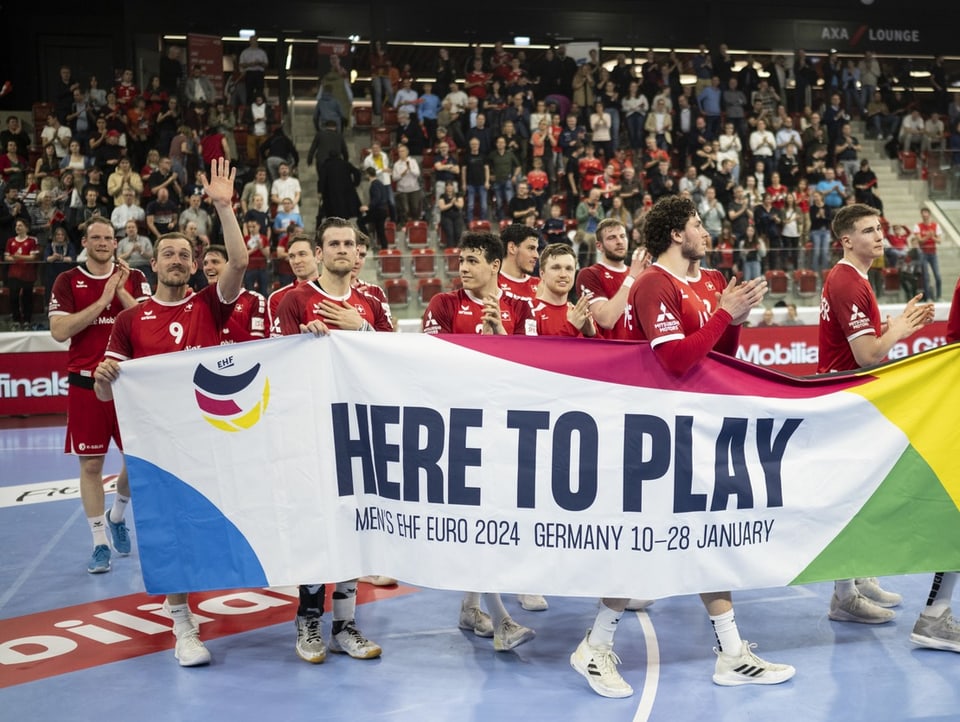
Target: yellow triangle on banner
921,396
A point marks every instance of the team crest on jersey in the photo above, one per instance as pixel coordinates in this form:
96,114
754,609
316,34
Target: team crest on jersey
231,401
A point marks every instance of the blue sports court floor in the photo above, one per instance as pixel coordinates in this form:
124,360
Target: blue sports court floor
108,656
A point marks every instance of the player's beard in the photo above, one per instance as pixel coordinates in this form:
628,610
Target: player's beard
692,250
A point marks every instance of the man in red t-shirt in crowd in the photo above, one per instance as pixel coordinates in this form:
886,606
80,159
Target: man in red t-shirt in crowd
609,281
927,236
249,318
852,336
668,312
83,307
173,320
520,243
555,315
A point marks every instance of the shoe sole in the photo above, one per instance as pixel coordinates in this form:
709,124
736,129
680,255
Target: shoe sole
194,663
534,607
372,654
522,639
934,643
98,570
476,630
318,659
762,679
602,691
846,617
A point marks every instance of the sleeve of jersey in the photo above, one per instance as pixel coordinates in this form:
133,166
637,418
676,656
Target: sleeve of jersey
953,322
288,316
119,346
138,285
258,317
61,298
729,342
588,280
680,356
847,297
526,324
381,320
438,317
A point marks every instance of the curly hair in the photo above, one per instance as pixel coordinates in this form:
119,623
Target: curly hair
485,242
668,214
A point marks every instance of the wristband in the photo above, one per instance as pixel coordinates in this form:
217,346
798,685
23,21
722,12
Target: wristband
628,282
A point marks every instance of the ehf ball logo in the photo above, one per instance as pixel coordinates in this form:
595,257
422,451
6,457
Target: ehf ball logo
231,402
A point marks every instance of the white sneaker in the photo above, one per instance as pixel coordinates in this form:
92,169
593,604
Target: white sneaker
599,666
858,608
871,589
941,632
638,605
378,580
190,650
509,635
748,668
475,620
533,602
310,646
350,641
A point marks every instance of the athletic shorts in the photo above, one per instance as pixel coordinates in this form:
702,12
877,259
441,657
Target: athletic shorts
91,423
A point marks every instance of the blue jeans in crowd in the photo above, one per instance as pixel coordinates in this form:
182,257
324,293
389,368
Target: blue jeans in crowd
472,193
503,191
930,264
820,254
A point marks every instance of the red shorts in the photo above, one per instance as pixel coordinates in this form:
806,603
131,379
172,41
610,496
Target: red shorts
91,423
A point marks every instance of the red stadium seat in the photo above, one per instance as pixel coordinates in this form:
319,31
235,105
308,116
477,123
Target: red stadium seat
424,262
427,288
479,226
777,283
390,117
451,261
382,136
891,281
456,283
362,116
390,228
805,281
416,233
398,292
908,163
504,223
391,263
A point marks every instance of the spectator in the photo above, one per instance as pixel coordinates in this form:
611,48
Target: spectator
409,191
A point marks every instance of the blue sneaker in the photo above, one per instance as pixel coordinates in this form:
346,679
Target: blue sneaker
119,536
100,561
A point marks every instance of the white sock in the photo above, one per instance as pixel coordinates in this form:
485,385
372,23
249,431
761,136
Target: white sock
471,599
119,508
728,636
180,614
604,627
344,601
495,608
98,527
845,588
940,593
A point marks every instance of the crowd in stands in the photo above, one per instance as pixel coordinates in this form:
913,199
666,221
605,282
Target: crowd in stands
766,151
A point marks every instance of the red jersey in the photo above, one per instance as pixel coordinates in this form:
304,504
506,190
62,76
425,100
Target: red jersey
126,93
666,308
552,319
478,91
953,321
525,288
590,169
779,195
848,309
461,312
77,289
273,305
23,270
377,293
302,305
258,248
248,320
708,283
928,232
156,327
537,180
604,282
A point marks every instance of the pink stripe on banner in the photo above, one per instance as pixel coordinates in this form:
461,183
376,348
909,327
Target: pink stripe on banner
217,407
632,363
